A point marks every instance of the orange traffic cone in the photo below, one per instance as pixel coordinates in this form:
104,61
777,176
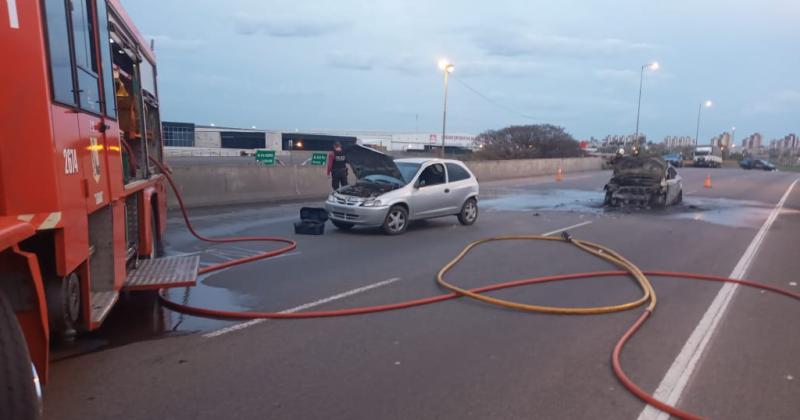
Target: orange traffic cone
559,175
707,184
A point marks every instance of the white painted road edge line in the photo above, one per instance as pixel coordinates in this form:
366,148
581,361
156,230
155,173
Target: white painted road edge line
302,307
677,377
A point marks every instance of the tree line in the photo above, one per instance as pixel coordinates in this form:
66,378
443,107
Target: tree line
527,142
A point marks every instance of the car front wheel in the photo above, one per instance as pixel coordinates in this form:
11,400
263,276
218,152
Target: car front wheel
396,220
469,212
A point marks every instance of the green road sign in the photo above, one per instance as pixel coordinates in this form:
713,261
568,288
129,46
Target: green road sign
267,157
319,158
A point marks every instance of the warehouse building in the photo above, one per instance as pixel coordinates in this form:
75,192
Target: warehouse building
181,138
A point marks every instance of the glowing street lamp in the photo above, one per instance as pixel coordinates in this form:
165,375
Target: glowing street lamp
652,66
706,104
446,67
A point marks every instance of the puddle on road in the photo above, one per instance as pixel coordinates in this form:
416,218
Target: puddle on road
138,316
720,211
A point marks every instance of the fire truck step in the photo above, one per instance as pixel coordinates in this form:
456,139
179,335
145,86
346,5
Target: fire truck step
163,272
102,302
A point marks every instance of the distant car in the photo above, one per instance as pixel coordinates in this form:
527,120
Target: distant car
392,192
762,164
641,181
675,159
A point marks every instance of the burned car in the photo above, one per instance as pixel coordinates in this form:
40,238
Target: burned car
392,192
645,182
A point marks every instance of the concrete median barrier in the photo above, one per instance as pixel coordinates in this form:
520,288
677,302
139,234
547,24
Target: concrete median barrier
225,183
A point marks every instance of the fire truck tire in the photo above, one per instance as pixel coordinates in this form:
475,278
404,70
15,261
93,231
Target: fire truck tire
63,305
19,386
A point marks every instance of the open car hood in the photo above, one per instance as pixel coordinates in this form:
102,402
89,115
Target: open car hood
649,167
366,161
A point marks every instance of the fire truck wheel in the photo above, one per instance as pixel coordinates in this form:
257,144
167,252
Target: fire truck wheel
63,305
21,394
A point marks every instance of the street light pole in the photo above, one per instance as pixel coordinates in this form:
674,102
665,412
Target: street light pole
444,115
651,66
447,68
707,104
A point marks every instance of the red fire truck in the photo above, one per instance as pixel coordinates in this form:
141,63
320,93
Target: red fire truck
82,202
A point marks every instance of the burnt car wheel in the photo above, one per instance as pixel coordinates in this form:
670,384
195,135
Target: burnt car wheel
342,225
469,212
396,220
659,201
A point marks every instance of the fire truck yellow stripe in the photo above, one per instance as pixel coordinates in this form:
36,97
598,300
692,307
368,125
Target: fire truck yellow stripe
13,17
51,221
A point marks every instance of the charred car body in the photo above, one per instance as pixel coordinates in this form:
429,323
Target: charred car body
392,192
647,182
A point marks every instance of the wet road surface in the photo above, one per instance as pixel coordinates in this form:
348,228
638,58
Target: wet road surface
457,359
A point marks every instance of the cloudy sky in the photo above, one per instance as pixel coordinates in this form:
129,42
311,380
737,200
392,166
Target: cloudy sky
371,64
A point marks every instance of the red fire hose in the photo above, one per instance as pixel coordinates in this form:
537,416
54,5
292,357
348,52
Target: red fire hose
291,245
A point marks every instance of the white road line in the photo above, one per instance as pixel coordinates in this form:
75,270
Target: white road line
577,225
678,375
302,307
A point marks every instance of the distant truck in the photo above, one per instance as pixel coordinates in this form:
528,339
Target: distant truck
707,156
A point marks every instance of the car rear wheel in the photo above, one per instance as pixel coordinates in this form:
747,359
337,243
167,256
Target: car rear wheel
469,212
342,225
396,220
21,393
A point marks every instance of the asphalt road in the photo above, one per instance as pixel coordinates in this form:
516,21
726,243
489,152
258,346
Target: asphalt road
461,359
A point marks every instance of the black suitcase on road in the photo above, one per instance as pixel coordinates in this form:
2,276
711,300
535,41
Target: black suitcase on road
312,221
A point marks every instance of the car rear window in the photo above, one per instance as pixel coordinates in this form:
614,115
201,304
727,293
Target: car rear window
456,172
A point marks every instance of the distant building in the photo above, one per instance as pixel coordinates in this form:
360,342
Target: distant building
177,134
677,142
789,143
232,141
752,142
620,140
723,141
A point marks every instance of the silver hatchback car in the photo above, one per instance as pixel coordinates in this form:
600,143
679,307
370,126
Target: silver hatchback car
392,192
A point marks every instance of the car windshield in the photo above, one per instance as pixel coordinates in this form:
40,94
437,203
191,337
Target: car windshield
408,170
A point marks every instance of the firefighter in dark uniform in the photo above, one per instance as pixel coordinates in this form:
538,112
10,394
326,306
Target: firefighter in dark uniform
337,166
